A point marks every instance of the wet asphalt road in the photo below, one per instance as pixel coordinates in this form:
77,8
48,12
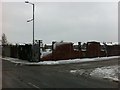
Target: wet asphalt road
56,76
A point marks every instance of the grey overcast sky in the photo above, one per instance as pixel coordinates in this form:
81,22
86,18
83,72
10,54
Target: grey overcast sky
67,21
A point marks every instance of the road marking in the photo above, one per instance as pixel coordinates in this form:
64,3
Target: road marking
33,85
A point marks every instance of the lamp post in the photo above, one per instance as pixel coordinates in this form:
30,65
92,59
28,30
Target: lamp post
33,52
32,18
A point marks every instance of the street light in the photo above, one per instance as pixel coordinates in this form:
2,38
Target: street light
33,56
26,2
32,18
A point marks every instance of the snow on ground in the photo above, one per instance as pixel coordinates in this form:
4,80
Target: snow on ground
25,62
109,72
45,54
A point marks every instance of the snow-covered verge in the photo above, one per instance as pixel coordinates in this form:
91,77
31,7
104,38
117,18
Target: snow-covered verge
25,62
109,72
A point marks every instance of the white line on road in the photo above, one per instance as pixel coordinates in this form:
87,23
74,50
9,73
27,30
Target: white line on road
33,85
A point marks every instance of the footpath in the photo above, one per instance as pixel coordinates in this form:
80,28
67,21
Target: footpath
70,61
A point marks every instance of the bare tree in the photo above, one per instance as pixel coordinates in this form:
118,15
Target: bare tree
4,39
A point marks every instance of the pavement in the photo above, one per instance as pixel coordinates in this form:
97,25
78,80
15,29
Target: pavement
59,62
55,76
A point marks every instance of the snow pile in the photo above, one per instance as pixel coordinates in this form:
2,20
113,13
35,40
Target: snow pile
110,72
43,54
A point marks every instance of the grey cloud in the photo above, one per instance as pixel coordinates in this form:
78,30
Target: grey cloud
61,21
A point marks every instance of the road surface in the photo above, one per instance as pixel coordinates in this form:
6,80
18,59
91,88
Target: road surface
55,76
